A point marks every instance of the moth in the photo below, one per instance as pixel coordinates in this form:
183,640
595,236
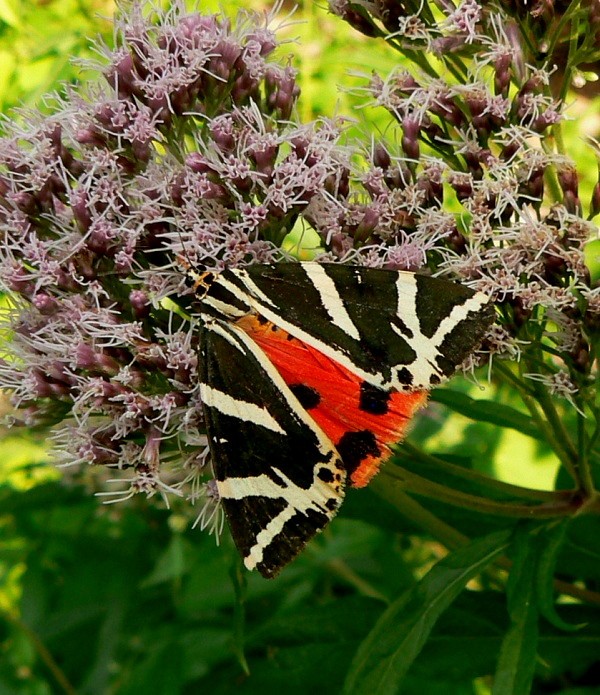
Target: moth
308,374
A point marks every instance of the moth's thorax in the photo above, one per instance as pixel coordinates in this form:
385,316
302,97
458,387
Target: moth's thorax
200,281
219,296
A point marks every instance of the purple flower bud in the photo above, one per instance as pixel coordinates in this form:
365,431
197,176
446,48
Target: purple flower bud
447,110
367,225
282,90
356,16
19,280
265,39
381,157
94,361
224,59
121,76
533,188
100,238
4,186
410,138
569,182
456,241
195,28
398,177
140,304
430,182
90,136
45,304
581,357
338,184
24,201
463,185
502,74
46,387
222,131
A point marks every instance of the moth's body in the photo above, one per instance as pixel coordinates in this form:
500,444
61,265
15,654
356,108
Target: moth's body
309,372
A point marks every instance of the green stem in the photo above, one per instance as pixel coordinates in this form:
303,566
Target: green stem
583,463
467,474
564,503
556,423
390,489
44,654
571,61
550,176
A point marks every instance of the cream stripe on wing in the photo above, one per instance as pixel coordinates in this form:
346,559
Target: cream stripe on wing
266,536
330,298
242,410
459,313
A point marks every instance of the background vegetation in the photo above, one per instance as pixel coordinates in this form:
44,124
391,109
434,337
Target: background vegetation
128,598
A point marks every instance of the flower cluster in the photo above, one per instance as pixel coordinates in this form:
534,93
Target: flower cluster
187,150
479,170
183,154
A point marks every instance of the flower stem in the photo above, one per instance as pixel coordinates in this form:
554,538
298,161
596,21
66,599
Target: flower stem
389,487
583,462
470,475
563,504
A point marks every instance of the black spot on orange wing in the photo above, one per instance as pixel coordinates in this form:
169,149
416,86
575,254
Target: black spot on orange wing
373,400
309,397
357,447
362,421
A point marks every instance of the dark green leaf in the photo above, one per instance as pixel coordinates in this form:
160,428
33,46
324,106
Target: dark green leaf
399,635
553,538
172,564
580,554
516,663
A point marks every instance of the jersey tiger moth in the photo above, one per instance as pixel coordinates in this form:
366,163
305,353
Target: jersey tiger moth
308,373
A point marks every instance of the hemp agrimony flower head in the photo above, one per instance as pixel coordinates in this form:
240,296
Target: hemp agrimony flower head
477,155
188,150
184,150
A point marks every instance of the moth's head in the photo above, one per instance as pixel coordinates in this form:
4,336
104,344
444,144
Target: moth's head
196,277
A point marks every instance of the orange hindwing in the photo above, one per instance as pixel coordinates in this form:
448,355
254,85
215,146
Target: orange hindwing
361,420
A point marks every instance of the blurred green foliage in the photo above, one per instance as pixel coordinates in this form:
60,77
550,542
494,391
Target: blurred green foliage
128,599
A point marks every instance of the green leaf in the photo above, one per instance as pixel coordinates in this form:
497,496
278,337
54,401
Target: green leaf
554,537
160,673
580,554
592,258
171,565
383,659
482,410
516,663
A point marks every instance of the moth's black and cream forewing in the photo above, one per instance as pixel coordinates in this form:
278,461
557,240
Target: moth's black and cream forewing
279,478
395,330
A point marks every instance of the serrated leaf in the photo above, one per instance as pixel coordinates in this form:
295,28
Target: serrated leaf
516,663
482,410
383,659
